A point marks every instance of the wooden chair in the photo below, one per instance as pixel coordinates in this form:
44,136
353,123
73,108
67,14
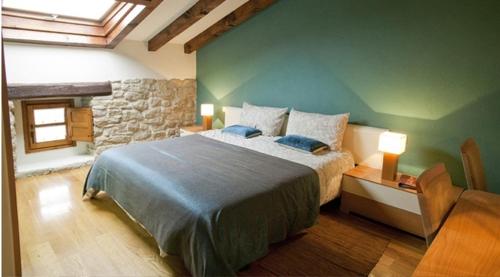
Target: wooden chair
473,166
436,196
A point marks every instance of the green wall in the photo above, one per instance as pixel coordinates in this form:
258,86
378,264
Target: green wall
430,69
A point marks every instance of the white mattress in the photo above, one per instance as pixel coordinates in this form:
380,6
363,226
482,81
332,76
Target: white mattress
329,166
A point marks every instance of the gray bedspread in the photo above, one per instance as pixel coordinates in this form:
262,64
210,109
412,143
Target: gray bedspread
216,205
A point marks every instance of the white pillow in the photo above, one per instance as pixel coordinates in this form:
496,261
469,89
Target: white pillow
328,129
267,119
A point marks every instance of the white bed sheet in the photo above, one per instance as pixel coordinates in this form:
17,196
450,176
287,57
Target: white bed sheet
329,166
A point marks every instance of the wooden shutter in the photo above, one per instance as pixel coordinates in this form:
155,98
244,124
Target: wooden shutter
80,124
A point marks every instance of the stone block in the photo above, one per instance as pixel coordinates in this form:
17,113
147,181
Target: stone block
142,135
133,126
140,105
159,135
134,96
165,94
128,115
98,113
152,113
154,121
100,122
118,94
172,132
118,139
188,83
174,83
119,103
154,102
132,81
97,107
114,112
97,132
172,124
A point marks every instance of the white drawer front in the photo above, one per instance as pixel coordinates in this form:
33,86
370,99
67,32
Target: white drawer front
383,194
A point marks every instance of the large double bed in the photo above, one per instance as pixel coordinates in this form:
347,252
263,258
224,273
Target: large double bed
219,200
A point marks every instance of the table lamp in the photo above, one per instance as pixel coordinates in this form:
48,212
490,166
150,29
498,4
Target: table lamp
207,111
392,144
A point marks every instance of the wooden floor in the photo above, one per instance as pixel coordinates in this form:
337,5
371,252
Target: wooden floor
63,235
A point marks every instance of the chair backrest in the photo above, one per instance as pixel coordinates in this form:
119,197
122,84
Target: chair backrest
436,196
473,166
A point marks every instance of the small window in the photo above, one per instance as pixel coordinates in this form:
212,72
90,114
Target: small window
46,125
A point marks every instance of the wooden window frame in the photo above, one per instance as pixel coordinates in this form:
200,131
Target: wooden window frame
30,145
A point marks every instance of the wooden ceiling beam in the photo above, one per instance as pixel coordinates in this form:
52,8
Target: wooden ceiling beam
231,20
50,38
48,18
113,13
13,22
131,20
119,16
18,91
139,2
191,16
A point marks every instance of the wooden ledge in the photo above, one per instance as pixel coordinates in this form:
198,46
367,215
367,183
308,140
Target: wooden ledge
24,91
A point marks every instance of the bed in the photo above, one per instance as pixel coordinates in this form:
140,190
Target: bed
218,201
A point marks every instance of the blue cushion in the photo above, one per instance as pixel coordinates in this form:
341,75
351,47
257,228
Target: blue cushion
302,143
244,131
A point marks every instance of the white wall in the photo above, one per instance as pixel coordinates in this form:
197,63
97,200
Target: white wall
170,61
31,63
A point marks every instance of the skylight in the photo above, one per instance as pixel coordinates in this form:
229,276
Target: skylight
87,9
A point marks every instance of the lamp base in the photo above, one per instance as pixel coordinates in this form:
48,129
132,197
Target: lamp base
207,122
390,166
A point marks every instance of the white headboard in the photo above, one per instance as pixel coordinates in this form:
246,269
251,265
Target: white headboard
361,141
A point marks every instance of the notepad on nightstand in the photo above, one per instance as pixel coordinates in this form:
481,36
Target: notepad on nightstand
408,182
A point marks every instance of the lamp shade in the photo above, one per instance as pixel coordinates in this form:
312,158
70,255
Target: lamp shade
394,143
207,109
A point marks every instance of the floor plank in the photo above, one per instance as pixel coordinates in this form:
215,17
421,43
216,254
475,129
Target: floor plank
61,235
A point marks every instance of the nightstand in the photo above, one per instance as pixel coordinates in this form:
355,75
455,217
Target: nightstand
364,192
189,130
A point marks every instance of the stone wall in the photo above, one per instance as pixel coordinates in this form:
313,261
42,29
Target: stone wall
13,132
142,110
